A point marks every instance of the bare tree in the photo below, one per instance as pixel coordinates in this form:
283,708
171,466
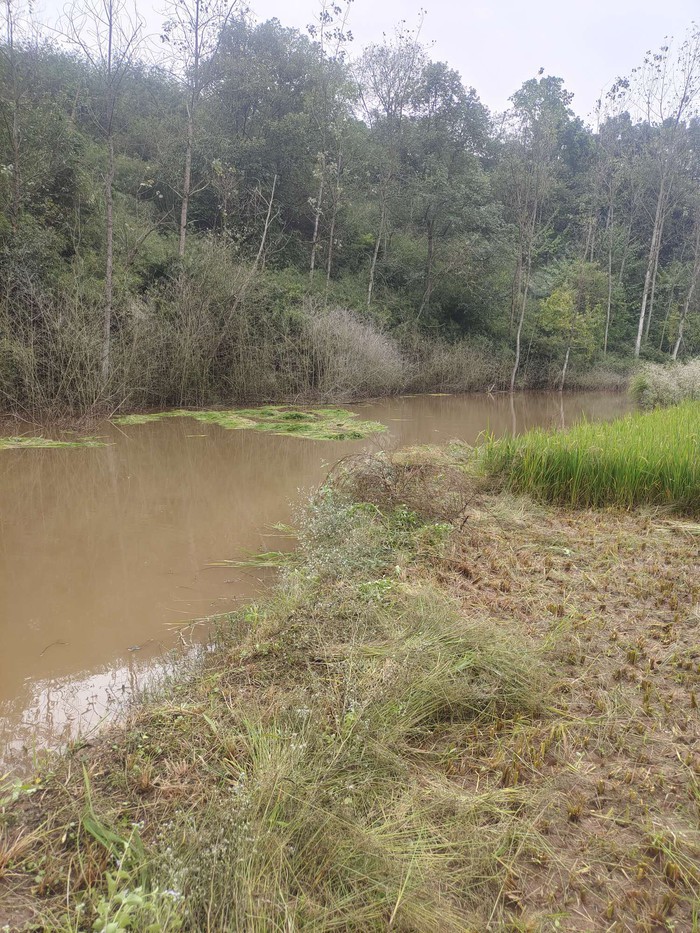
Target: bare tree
15,50
692,288
108,34
664,92
194,31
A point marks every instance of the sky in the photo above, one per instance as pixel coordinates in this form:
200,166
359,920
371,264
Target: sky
499,44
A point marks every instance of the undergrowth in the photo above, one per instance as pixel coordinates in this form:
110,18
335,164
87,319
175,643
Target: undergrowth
299,781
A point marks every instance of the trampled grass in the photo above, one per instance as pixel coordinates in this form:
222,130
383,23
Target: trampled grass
643,459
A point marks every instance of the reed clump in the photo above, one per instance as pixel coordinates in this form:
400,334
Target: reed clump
650,458
659,385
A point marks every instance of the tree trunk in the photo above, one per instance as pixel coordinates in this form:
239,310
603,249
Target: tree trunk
334,217
425,304
688,298
109,263
566,366
653,282
187,180
375,255
608,312
521,319
515,290
317,216
654,250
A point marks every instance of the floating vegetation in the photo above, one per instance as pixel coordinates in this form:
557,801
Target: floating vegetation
322,424
643,459
19,443
266,559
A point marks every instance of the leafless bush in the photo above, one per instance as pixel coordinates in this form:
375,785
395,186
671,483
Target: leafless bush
429,485
351,358
460,367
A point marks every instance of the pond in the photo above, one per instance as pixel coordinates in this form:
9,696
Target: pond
106,553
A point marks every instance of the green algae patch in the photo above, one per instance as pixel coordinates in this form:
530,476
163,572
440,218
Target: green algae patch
321,424
38,443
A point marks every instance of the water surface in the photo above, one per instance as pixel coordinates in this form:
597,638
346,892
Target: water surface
106,552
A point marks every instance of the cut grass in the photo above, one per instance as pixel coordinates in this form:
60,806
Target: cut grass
322,424
33,443
648,458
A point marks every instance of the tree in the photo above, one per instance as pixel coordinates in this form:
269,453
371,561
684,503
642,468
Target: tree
388,76
693,285
108,34
540,126
194,32
664,92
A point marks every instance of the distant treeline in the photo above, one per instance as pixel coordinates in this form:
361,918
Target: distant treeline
185,232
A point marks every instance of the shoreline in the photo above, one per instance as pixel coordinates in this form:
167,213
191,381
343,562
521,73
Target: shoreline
446,669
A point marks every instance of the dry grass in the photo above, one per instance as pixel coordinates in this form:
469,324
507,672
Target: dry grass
484,725
657,385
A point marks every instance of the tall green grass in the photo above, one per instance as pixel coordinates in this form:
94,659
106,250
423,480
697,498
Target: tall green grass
648,458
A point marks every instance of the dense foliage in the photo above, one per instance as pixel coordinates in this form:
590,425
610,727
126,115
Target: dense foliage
171,233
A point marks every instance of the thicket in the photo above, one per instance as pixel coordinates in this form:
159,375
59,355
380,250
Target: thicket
249,213
657,385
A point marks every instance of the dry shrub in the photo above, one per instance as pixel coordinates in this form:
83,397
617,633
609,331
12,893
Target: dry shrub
351,357
460,367
433,486
658,385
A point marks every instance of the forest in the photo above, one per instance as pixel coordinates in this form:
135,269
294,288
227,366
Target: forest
240,211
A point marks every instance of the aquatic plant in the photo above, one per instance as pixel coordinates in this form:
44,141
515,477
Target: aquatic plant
22,442
648,458
321,424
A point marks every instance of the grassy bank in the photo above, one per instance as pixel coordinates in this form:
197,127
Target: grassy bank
644,459
657,385
460,711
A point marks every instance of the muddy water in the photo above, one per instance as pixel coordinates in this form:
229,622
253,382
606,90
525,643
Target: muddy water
106,552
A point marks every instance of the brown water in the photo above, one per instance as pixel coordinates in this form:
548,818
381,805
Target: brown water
106,552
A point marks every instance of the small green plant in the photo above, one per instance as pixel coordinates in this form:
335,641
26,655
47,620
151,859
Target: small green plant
123,907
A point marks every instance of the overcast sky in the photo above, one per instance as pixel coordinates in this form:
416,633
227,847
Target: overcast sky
497,45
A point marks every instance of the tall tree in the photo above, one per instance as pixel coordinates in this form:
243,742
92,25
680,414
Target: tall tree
539,127
108,34
664,92
194,32
388,76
